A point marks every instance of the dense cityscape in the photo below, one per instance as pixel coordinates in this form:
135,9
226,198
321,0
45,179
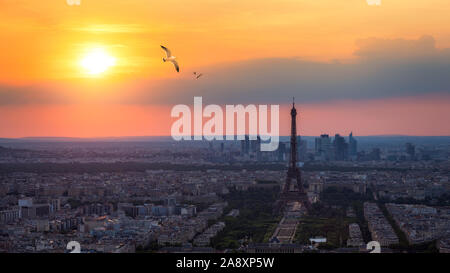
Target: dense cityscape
157,195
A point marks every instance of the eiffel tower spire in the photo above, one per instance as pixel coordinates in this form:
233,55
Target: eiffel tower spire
293,157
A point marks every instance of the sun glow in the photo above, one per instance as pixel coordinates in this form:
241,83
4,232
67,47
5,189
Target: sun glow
97,61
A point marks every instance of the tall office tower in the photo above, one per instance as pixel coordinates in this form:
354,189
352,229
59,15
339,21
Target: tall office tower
281,151
293,178
247,144
258,144
302,150
340,148
258,149
299,143
317,145
323,148
222,147
352,146
410,150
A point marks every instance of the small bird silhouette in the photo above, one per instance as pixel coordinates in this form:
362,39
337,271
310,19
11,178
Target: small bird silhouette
170,58
197,75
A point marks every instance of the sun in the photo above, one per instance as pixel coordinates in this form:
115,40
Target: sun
97,61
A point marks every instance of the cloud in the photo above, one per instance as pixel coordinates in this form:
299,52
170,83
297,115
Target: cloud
111,28
383,68
32,94
73,2
373,48
374,2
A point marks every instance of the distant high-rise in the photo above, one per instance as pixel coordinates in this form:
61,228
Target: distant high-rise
302,150
247,144
323,147
255,145
410,150
340,148
281,151
352,145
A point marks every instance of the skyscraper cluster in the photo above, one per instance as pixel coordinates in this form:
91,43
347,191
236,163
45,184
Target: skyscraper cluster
327,149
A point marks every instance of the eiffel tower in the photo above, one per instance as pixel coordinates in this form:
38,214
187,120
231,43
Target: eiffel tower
294,175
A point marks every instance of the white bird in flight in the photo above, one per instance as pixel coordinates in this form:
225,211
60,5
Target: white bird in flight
170,58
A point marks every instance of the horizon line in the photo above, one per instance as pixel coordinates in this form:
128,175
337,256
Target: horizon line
168,136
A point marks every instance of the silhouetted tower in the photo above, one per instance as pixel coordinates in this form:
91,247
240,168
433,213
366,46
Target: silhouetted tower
293,177
293,158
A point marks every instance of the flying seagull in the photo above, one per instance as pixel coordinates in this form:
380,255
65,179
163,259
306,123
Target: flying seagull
170,58
197,75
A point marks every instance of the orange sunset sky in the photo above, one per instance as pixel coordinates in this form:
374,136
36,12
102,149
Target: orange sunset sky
96,69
